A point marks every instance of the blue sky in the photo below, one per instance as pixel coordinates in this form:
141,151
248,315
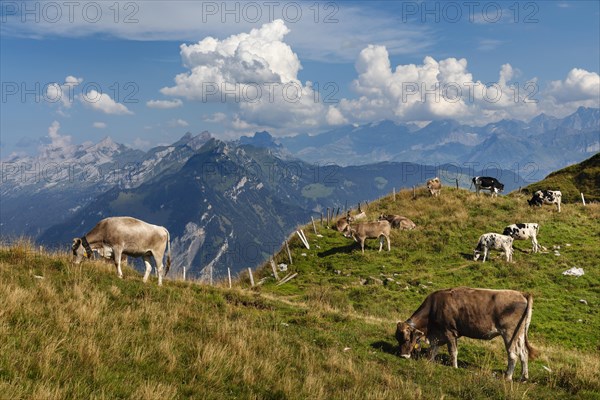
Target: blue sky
337,63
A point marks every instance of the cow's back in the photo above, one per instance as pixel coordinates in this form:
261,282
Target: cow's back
133,234
475,313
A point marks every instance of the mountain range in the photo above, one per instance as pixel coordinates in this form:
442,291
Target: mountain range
231,204
531,149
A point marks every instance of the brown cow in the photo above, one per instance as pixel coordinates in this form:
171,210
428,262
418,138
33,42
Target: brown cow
369,230
435,186
343,222
129,236
398,221
446,315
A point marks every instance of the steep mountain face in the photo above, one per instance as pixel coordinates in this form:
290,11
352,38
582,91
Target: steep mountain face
232,206
40,191
535,148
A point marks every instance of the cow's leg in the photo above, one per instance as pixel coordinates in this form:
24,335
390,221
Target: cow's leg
485,251
158,260
117,254
534,242
512,353
388,241
453,351
362,245
433,350
380,243
148,267
524,356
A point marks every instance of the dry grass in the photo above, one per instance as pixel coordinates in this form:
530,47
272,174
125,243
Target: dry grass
73,332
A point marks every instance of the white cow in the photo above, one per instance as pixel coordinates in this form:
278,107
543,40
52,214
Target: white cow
524,232
546,197
129,236
495,241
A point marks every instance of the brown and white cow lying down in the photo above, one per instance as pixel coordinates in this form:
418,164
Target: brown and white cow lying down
446,315
369,230
398,221
128,236
435,186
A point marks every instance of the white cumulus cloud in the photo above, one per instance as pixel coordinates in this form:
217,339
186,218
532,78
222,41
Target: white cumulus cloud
63,94
99,125
164,104
257,74
179,122
104,103
577,86
435,89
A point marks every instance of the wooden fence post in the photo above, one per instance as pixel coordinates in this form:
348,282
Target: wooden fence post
394,193
321,219
313,224
288,252
251,277
328,217
274,268
184,273
229,276
583,199
456,183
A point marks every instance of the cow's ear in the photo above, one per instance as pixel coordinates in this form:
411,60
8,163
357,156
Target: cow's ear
418,334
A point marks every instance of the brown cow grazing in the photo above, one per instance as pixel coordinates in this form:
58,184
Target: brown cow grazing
398,221
126,235
343,222
446,315
369,230
435,186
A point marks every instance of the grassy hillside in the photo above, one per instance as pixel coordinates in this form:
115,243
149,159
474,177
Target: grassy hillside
573,180
80,332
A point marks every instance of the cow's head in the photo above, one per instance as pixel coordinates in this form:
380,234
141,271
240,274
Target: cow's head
382,217
349,232
79,250
407,337
476,254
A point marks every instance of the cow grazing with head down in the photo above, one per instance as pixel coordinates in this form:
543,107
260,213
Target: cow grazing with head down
343,222
446,315
118,236
369,230
435,186
487,183
524,232
546,197
495,241
398,221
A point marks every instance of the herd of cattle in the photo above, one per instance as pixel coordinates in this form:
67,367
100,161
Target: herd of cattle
444,316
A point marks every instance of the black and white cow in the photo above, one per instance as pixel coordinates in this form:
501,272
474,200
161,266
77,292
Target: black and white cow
524,232
488,183
495,241
546,197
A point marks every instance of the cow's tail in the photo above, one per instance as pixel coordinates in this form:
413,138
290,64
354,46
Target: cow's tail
530,350
168,265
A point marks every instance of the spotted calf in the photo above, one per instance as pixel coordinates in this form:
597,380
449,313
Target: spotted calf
495,241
